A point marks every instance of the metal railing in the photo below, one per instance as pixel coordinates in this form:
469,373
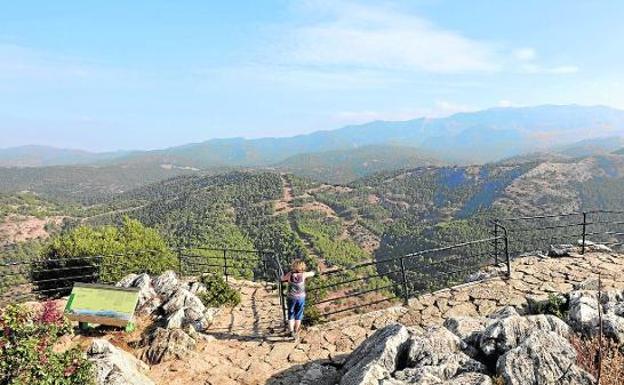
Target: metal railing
528,234
365,285
55,277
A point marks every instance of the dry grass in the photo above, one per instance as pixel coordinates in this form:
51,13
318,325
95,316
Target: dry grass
612,362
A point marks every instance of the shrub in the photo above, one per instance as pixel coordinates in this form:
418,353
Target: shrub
130,248
611,358
218,292
26,349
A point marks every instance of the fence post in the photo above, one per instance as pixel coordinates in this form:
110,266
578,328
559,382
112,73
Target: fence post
584,232
507,253
180,265
496,241
225,265
280,289
405,287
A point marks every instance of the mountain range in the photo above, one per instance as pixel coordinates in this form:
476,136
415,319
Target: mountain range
471,137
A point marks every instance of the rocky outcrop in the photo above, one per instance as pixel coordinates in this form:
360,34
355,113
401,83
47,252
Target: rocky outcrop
171,300
507,333
114,366
586,310
377,357
544,357
522,350
167,344
178,311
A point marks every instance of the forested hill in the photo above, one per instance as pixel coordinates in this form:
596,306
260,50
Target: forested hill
344,166
269,210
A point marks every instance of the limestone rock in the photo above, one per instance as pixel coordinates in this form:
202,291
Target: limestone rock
166,344
504,312
114,366
507,333
377,357
613,327
317,374
467,329
437,355
149,300
433,347
166,284
565,250
583,312
542,358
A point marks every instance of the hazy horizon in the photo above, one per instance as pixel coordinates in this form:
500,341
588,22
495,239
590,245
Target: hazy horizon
136,76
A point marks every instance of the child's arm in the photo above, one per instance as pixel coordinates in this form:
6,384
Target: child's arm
309,274
286,277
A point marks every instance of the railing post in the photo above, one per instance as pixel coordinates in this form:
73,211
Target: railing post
507,254
225,265
496,241
405,287
280,289
180,265
584,232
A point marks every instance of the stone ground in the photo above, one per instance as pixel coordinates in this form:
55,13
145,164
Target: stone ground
244,346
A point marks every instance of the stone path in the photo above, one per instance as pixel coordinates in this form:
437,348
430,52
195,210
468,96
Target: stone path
258,356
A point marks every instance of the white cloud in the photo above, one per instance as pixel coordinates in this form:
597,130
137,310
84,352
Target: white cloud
350,35
525,54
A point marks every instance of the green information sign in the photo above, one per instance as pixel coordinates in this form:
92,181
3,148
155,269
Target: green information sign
102,304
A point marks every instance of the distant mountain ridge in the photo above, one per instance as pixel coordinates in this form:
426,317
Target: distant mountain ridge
471,137
40,156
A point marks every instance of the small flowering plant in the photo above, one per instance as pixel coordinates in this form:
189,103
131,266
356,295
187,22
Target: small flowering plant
26,349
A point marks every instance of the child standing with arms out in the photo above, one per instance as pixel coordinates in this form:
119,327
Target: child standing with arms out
296,278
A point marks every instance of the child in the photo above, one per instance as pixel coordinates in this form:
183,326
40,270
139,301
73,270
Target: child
296,294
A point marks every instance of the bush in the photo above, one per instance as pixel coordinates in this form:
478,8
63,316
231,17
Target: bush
26,349
218,292
611,360
130,248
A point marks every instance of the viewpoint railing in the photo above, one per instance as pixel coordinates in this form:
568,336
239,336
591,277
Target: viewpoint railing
55,277
528,234
364,286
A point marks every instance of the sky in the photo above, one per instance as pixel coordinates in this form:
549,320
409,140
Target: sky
109,75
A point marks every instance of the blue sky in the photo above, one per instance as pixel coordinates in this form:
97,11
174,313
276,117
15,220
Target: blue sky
104,75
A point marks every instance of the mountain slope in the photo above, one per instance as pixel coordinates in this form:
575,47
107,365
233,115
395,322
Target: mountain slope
39,156
343,166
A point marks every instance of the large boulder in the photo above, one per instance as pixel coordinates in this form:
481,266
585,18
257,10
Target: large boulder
468,329
543,358
437,355
377,357
583,313
114,366
507,333
167,344
166,284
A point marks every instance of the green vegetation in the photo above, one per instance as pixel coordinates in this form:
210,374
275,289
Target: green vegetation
130,248
344,166
218,293
26,349
326,235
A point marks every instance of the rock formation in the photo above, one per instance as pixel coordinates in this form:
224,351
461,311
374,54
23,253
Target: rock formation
506,346
178,311
114,366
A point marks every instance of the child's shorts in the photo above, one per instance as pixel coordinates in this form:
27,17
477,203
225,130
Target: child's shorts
295,308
